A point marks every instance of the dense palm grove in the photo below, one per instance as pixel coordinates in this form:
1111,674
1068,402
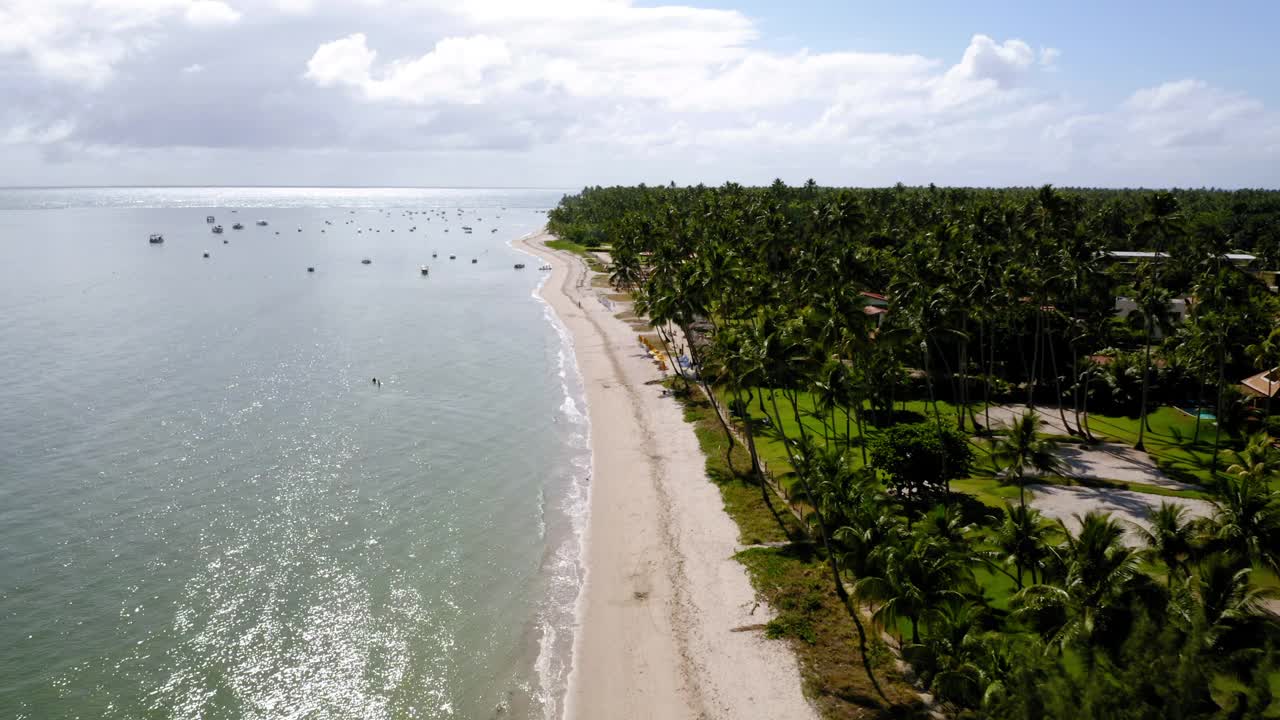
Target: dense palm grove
983,297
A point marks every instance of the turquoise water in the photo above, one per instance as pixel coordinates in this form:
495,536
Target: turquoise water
208,510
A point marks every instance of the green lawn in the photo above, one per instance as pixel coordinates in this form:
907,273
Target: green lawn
568,245
1171,442
795,583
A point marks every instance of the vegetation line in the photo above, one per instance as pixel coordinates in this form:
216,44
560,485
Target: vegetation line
887,364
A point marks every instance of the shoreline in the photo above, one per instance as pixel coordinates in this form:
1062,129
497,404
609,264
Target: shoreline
663,602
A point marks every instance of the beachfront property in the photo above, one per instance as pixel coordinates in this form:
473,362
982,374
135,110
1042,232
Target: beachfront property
1179,307
1243,261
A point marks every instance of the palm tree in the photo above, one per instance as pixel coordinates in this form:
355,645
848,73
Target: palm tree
1246,520
1266,356
1021,449
815,469
1101,581
1023,539
738,367
1153,308
954,661
625,270
917,575
1226,601
1171,537
1161,223
1259,462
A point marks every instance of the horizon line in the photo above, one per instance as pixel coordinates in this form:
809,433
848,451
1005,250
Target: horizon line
288,187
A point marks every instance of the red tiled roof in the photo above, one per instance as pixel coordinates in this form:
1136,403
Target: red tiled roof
1264,384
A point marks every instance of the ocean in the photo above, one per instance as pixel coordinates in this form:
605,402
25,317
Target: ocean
209,509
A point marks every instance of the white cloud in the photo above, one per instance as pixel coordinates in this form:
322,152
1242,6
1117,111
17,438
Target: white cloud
30,134
296,7
986,60
596,88
211,13
455,71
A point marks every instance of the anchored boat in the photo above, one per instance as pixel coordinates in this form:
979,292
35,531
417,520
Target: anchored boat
155,239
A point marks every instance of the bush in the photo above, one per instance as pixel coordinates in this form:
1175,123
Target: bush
921,458
791,624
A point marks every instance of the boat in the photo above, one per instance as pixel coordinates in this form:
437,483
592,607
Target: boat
519,266
474,261
545,267
366,261
206,254
433,254
311,269
217,229
208,219
226,242
155,239
237,226
453,257
425,270
262,223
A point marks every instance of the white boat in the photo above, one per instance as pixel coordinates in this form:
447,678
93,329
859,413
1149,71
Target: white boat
156,239
217,229
237,226
262,223
425,270
208,219
366,261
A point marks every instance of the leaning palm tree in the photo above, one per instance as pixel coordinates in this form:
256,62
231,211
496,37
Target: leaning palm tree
1022,450
823,468
1170,538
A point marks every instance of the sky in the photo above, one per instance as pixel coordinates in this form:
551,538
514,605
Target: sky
569,93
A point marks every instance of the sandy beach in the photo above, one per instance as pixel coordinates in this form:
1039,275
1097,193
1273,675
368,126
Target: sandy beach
663,594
